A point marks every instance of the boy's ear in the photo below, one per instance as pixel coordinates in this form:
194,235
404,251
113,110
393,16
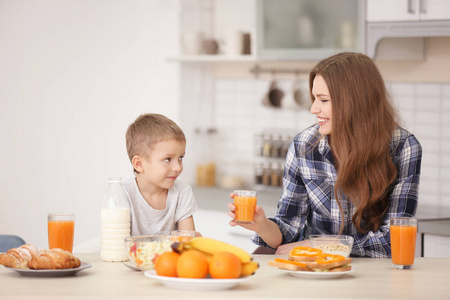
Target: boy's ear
137,163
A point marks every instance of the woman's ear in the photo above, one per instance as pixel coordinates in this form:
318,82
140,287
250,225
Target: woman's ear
137,163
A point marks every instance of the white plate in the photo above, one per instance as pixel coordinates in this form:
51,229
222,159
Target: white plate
53,272
206,284
318,275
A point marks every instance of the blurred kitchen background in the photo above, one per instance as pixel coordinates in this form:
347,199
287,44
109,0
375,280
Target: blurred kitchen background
231,73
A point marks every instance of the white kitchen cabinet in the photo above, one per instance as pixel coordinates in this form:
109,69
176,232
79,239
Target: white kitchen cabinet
388,10
435,10
406,23
435,235
436,246
309,29
300,30
407,10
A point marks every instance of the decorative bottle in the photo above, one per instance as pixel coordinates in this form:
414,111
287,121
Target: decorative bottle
115,223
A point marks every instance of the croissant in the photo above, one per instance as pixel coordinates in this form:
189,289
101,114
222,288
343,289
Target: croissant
54,259
18,257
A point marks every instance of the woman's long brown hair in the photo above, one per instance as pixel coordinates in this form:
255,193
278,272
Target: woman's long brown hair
362,127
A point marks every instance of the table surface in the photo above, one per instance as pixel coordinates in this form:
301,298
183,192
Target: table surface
371,279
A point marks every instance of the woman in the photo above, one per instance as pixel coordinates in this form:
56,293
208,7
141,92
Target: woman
349,173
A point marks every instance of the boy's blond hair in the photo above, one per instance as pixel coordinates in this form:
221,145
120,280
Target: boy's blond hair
149,129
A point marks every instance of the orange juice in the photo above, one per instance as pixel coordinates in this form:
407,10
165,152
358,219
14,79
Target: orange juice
403,244
182,235
245,202
61,231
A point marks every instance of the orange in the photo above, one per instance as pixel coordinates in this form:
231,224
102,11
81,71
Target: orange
166,264
225,265
192,264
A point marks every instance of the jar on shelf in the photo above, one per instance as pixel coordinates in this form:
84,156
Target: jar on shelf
281,174
259,171
266,174
275,175
267,146
259,144
204,153
276,146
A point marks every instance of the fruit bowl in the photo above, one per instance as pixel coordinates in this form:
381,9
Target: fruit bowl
143,250
333,244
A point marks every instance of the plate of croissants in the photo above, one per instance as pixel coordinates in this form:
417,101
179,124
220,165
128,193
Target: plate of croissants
28,260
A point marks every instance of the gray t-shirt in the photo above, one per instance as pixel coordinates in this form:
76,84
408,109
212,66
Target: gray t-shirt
145,220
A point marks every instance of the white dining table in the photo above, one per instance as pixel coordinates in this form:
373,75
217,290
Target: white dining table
370,279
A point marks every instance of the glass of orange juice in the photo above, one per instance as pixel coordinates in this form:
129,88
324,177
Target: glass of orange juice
60,230
245,203
182,235
403,241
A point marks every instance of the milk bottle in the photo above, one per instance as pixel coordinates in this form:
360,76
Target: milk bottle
115,223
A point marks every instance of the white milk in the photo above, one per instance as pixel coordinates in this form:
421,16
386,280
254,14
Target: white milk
116,215
115,227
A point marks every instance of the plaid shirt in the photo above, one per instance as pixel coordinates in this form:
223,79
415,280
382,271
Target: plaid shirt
308,204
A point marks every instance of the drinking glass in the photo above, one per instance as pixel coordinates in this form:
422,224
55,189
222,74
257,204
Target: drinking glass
245,203
403,241
61,230
182,235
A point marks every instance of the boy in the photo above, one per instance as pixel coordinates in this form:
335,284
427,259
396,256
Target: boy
158,201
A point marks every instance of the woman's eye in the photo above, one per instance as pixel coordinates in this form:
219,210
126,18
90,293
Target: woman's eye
181,158
167,159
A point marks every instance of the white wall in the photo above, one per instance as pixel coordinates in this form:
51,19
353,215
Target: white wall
73,76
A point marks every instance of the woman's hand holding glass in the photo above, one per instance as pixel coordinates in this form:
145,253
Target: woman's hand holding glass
264,227
258,218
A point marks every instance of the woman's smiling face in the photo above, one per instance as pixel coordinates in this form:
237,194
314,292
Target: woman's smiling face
321,106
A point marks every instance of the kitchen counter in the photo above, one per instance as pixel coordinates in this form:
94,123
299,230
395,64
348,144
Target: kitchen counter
432,212
371,279
435,227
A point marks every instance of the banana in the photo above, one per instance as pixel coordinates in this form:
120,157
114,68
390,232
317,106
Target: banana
211,246
249,268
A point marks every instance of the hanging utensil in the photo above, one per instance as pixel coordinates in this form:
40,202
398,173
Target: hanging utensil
274,95
293,100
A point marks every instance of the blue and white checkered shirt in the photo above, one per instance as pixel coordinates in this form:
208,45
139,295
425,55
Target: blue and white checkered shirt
308,204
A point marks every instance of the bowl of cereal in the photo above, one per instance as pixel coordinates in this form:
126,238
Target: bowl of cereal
333,244
143,250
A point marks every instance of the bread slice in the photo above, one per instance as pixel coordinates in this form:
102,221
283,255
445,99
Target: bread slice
288,265
328,266
341,269
302,258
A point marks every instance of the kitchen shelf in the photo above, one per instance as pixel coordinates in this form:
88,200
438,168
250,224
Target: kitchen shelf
228,58
214,58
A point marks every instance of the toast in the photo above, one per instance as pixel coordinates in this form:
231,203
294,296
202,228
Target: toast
289,265
312,260
340,269
335,266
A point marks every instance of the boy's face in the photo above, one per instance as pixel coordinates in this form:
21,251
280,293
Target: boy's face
164,163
